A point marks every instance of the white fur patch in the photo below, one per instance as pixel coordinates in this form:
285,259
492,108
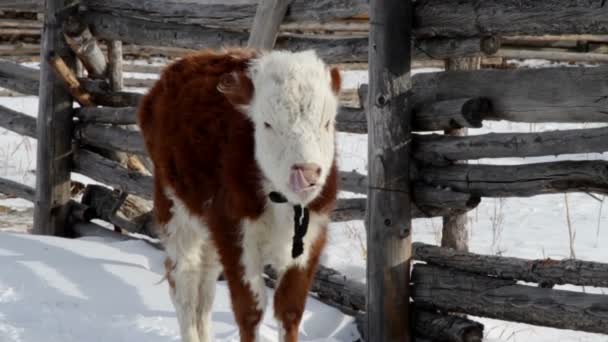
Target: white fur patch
293,110
197,267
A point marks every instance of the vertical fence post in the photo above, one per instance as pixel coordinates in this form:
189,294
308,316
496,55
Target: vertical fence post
53,132
388,206
455,233
268,18
115,65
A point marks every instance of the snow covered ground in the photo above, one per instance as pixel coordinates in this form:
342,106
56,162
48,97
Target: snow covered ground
53,289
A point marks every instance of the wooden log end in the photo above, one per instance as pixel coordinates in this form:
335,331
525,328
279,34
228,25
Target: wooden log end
473,201
73,27
475,110
490,45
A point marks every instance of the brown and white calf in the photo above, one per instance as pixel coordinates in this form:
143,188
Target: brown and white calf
244,159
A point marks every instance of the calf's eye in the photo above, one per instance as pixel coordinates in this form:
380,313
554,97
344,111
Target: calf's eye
267,125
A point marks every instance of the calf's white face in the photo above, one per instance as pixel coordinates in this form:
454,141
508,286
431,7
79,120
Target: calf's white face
293,109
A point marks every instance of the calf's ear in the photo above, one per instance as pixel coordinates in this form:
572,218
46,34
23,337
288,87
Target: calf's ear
336,80
237,88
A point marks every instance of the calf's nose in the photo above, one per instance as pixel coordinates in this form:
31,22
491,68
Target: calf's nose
309,171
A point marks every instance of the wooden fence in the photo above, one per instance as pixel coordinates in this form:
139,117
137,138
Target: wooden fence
98,139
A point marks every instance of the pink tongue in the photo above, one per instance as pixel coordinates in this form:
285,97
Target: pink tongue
297,181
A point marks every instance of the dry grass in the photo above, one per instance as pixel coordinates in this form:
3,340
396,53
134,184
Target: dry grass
497,219
571,231
354,233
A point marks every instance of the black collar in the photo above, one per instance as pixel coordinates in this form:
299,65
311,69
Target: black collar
277,197
301,217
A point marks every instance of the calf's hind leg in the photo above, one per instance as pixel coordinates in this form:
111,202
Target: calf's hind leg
193,267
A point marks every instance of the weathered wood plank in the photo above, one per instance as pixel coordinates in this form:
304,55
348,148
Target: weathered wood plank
389,201
553,55
22,5
454,114
17,122
440,149
14,189
562,94
115,65
520,180
331,48
354,208
443,327
19,78
53,132
456,18
85,46
112,174
349,119
110,115
542,271
526,95
232,14
456,291
70,80
266,23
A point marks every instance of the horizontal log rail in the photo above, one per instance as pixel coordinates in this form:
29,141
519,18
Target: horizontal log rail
17,122
19,78
455,291
547,272
111,137
520,180
441,149
443,327
525,95
14,189
456,18
433,18
226,14
109,115
431,201
333,49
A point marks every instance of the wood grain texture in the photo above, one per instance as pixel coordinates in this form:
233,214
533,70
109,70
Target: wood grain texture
456,291
115,65
22,5
109,115
85,46
448,328
17,122
441,150
111,138
525,95
456,18
231,14
454,232
19,78
520,180
112,173
18,190
70,80
266,23
54,130
452,114
389,201
541,271
333,49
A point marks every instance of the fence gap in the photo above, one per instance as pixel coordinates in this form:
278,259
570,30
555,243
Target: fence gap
455,233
